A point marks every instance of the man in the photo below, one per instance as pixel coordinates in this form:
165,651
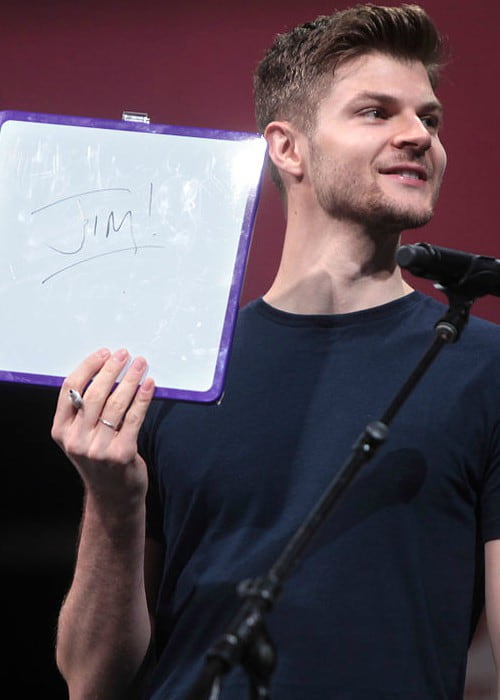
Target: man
384,603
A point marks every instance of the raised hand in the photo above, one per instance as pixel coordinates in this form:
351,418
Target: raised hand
100,437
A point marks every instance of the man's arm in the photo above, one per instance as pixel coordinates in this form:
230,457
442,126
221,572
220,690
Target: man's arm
104,629
492,593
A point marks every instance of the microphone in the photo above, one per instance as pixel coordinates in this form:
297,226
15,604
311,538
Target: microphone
467,272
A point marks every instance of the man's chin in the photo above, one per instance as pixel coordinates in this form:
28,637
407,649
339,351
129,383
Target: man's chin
392,218
416,220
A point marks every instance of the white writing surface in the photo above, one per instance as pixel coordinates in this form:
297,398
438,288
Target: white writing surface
123,236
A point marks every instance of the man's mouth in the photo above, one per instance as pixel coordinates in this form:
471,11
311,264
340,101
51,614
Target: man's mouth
406,172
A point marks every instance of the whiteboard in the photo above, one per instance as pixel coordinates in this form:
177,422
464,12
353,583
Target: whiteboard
123,234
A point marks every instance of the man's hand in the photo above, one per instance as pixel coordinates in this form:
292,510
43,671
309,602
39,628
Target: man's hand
100,437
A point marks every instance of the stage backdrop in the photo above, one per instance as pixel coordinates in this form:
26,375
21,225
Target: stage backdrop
189,63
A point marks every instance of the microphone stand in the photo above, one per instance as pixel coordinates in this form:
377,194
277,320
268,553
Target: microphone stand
246,641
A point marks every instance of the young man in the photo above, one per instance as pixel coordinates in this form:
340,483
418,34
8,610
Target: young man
385,601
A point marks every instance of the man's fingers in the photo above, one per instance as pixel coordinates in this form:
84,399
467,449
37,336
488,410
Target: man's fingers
117,430
101,386
106,403
118,402
79,378
138,408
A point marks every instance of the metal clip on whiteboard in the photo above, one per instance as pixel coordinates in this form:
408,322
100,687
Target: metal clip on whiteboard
141,117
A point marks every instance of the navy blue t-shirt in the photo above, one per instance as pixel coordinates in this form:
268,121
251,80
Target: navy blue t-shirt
385,600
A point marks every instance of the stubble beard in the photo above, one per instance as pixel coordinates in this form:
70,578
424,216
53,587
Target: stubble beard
346,198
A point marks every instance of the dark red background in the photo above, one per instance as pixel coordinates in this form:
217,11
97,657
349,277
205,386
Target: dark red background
190,63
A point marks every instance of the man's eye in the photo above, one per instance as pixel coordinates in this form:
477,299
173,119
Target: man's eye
431,122
374,113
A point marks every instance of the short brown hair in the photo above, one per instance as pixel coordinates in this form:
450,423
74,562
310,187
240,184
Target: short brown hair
296,71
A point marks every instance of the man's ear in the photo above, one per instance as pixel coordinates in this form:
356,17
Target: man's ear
285,148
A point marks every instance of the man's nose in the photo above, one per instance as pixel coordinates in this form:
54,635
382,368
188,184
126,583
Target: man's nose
413,133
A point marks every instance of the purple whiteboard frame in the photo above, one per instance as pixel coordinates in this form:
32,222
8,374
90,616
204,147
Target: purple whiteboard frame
215,391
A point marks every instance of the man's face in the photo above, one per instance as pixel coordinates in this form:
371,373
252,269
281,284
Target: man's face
375,154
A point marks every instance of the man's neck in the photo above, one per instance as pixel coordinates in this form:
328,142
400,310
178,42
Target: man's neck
336,269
